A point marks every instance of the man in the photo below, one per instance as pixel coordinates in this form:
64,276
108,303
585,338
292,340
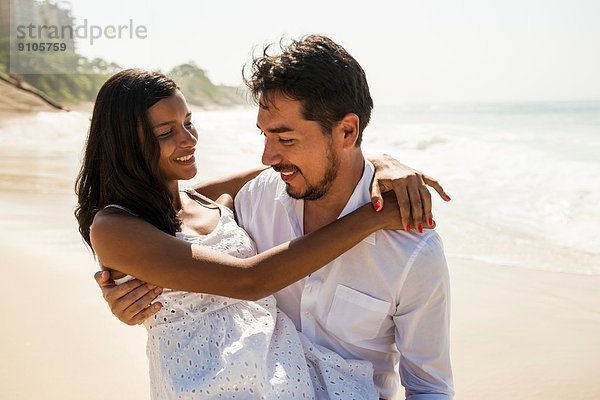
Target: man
389,302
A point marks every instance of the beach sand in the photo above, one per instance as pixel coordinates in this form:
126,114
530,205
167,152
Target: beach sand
59,340
516,334
524,334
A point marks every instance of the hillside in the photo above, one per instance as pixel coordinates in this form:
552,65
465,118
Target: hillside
20,96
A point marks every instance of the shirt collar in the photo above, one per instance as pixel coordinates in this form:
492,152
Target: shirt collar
360,196
293,208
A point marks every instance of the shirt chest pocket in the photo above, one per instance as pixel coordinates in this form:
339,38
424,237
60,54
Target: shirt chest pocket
355,316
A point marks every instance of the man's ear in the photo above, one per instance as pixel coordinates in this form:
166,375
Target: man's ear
348,129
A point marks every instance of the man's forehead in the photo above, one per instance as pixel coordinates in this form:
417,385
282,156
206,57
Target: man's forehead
276,99
269,119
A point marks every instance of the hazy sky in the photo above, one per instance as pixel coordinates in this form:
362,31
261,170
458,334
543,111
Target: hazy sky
412,51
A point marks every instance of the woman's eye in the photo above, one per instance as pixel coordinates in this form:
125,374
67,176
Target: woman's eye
162,135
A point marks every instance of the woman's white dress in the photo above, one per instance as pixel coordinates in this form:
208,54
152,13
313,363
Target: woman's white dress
204,346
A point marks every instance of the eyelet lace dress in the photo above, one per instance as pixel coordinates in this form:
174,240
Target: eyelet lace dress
203,346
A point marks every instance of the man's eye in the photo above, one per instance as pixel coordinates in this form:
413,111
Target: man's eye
286,141
188,124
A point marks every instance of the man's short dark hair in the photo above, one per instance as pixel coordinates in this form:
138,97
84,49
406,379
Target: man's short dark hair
321,74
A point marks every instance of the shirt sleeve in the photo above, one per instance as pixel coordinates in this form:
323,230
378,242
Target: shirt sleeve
422,322
240,203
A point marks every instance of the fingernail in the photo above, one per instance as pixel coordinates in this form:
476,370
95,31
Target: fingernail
430,221
420,228
158,290
377,206
407,228
157,306
447,198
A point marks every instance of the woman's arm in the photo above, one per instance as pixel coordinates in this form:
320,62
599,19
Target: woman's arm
230,184
411,191
409,185
133,246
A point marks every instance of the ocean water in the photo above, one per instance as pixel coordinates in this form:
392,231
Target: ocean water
523,177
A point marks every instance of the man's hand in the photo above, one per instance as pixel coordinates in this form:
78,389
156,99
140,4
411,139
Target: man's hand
131,301
411,191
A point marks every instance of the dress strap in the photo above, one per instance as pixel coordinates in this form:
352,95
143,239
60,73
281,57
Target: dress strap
122,208
192,192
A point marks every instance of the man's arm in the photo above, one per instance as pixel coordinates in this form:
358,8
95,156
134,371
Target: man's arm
130,302
422,325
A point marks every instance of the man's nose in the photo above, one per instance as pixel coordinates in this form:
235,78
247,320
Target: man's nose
271,154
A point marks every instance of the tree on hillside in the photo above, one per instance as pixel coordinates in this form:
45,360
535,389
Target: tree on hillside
195,84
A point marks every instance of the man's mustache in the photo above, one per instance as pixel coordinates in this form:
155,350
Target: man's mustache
285,168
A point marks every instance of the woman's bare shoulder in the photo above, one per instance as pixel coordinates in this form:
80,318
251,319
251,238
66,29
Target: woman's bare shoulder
111,223
225,200
110,215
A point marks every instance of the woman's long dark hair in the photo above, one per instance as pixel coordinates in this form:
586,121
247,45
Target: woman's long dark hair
120,164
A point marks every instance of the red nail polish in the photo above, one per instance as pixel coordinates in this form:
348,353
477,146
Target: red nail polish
430,221
420,228
447,198
407,228
377,206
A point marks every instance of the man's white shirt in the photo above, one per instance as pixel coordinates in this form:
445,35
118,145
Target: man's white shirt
386,300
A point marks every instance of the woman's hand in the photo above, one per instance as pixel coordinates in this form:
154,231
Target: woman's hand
389,218
410,187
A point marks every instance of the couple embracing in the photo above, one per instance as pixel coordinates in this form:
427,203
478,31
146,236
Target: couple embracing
284,283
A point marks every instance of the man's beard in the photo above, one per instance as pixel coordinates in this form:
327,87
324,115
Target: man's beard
313,192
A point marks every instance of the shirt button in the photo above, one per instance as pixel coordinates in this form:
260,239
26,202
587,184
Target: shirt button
306,314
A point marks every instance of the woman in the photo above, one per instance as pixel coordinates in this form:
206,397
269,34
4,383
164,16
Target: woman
137,222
